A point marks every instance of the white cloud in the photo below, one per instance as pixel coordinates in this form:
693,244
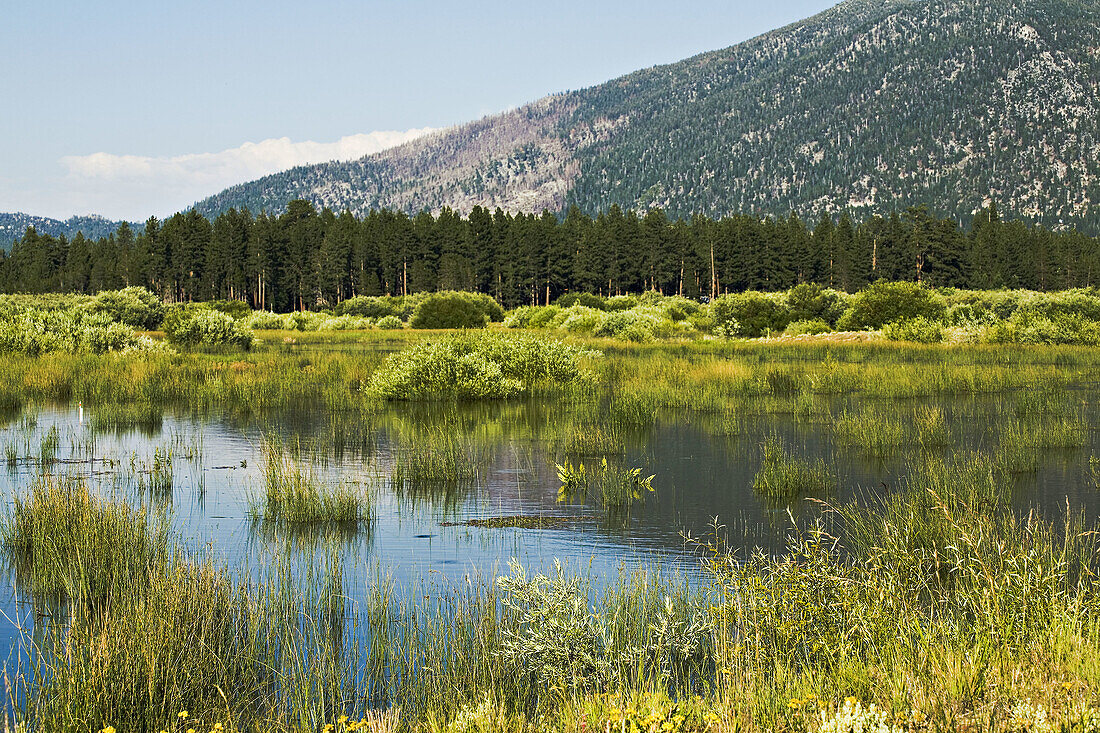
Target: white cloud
162,185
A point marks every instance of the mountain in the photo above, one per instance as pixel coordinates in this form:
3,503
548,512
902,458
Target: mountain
12,226
873,105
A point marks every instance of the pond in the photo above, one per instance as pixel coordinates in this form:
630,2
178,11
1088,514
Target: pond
502,502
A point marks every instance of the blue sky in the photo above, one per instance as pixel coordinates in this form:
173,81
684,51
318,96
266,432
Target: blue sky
128,109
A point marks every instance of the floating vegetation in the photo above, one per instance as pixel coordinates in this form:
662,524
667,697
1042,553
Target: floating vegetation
520,521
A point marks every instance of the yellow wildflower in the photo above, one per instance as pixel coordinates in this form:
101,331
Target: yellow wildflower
108,729
182,715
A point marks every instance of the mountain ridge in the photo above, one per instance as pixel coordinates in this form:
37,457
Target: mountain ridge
866,107
14,225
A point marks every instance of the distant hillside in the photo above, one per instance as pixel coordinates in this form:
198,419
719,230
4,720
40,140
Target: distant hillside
12,227
871,105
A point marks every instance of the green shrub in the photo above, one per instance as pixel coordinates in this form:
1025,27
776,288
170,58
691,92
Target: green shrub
800,328
588,300
345,323
621,302
920,330
579,319
238,309
33,332
455,310
886,302
369,306
204,327
390,323
476,367
811,302
1060,328
751,314
135,307
267,321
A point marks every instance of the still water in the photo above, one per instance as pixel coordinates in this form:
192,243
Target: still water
703,477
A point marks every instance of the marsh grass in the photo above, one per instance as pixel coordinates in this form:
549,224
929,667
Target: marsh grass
1023,442
294,494
158,477
120,418
63,540
588,440
939,606
884,431
934,601
434,457
784,476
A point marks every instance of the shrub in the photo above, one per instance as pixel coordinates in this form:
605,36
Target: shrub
454,310
33,332
588,300
750,314
135,307
390,323
579,319
481,367
203,327
548,631
920,330
238,309
305,320
532,316
641,324
800,328
267,321
1058,329
886,302
369,306
811,302
621,302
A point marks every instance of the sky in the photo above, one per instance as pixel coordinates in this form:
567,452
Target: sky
133,108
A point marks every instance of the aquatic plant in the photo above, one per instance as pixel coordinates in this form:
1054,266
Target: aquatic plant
294,494
783,475
612,486
142,416
61,539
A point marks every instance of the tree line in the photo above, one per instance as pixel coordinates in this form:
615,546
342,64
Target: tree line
308,259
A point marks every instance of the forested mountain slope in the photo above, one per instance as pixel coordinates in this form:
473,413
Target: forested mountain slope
13,226
869,106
